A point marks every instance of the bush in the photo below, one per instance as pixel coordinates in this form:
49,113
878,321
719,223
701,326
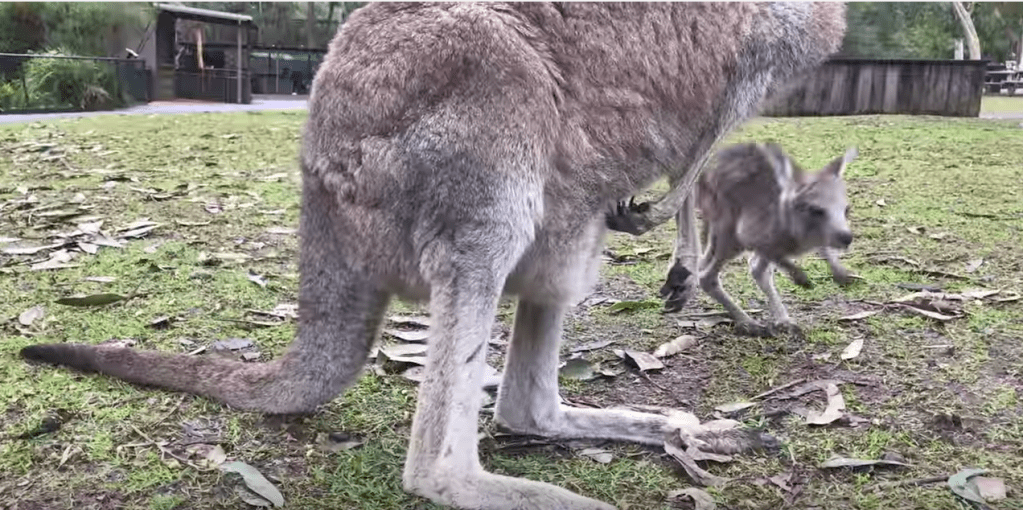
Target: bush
67,83
12,96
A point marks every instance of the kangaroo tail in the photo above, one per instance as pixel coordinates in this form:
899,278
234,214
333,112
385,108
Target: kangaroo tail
252,386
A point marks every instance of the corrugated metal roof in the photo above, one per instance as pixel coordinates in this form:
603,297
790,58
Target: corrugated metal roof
206,13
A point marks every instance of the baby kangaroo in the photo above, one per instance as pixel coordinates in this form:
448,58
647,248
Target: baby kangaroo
756,199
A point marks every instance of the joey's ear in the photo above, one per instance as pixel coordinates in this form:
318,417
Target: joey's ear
780,164
837,166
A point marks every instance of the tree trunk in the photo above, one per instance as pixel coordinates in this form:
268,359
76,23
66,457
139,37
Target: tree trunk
969,31
310,25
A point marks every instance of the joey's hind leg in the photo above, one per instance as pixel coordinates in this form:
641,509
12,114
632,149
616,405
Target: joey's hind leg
528,400
718,253
762,271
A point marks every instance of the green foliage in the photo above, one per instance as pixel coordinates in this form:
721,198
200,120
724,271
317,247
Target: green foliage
12,95
927,29
21,26
900,30
66,83
79,27
283,23
998,27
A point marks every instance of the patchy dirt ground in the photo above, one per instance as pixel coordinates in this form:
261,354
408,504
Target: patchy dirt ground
197,215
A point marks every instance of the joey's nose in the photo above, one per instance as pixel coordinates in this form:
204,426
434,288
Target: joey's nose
844,239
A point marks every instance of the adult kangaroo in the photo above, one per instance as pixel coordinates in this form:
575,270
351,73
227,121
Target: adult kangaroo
456,152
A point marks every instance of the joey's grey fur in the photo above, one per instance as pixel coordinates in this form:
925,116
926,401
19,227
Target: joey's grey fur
756,199
455,152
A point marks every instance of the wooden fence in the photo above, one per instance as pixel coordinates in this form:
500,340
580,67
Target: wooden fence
846,86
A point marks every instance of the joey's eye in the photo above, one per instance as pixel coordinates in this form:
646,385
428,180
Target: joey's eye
816,212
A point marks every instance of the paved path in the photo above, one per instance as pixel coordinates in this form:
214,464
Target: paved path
259,103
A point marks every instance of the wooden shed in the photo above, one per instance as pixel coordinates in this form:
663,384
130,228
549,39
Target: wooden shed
224,79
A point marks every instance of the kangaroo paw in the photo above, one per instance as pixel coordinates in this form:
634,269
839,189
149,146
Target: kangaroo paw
629,217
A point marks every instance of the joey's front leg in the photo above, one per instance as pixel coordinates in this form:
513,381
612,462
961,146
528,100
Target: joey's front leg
796,273
839,273
680,285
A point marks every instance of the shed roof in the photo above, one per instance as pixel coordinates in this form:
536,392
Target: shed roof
207,15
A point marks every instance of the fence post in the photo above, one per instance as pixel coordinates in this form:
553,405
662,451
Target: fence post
239,66
117,81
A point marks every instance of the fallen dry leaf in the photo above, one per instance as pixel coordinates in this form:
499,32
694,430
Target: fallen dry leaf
928,313
600,455
859,316
733,407
843,462
255,278
398,350
58,260
641,360
974,265
960,484
91,300
138,232
409,336
255,481
337,442
990,489
978,294
185,223
623,306
231,344
592,346
30,250
31,315
701,499
214,457
89,248
698,455
836,404
698,474
675,346
579,369
408,320
853,349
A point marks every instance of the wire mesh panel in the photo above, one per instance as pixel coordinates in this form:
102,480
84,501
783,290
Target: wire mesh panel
52,82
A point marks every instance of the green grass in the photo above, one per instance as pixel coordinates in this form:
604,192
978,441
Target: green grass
958,179
1002,104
